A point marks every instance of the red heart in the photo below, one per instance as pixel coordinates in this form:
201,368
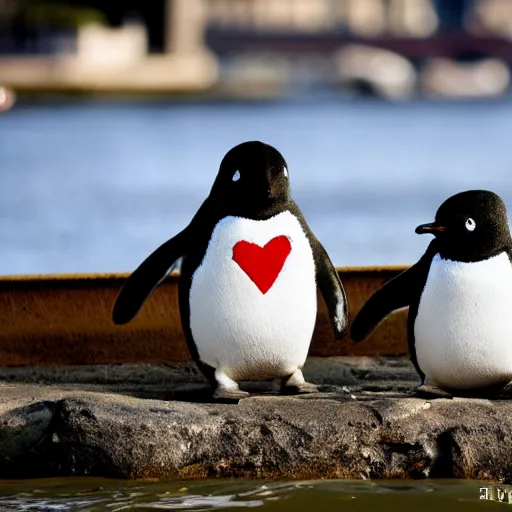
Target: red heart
262,264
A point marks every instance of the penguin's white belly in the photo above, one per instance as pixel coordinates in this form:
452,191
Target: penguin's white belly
247,318
463,330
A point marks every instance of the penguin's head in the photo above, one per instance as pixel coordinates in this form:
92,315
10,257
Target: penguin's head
470,226
252,180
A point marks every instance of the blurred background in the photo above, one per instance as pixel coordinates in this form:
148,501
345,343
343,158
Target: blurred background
114,117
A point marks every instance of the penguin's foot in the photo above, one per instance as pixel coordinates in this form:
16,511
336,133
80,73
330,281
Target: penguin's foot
295,384
303,389
492,391
229,394
431,391
307,387
227,388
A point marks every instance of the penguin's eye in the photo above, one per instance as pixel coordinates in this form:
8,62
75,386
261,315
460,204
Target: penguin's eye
470,224
286,172
236,176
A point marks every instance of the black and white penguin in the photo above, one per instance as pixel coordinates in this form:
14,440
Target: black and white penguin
249,275
459,296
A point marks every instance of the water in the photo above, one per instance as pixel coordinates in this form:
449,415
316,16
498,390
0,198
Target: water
96,186
364,496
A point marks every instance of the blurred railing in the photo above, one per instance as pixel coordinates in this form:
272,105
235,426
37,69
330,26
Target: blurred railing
66,320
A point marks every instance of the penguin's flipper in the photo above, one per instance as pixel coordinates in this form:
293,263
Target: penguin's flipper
332,290
146,277
327,280
395,294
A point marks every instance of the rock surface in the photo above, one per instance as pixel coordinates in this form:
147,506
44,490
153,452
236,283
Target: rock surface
158,422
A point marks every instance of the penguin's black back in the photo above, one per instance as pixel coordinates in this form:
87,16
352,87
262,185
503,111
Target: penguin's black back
423,269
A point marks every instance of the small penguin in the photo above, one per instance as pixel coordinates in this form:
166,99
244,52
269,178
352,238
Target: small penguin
459,296
249,275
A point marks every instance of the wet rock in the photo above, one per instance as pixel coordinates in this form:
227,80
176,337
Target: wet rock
21,429
349,430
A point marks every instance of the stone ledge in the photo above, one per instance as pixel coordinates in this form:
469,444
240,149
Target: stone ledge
361,425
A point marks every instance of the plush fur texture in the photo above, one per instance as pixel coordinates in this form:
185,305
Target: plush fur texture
262,264
490,236
462,281
248,334
464,323
258,320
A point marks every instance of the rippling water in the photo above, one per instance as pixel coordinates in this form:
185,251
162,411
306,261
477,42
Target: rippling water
96,186
105,495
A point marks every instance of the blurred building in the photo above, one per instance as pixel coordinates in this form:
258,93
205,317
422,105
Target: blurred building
62,46
417,18
492,16
363,17
193,45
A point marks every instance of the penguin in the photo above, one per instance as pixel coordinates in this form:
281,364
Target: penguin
459,296
250,267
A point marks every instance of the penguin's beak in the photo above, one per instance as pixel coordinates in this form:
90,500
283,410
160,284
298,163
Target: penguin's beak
431,228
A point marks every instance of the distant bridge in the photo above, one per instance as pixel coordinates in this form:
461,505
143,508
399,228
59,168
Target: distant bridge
458,46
